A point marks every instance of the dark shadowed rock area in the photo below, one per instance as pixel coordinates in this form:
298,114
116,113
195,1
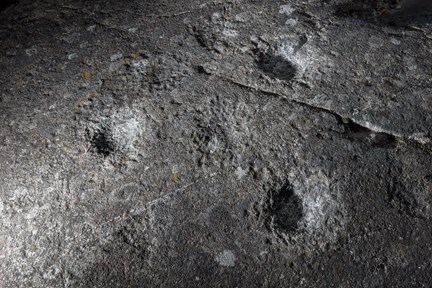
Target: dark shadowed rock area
209,143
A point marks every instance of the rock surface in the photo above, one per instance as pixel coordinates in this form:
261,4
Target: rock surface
208,143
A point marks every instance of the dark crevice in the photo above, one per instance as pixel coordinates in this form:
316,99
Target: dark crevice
353,130
388,12
357,132
7,3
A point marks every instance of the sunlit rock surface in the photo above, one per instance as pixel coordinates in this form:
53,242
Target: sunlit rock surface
215,144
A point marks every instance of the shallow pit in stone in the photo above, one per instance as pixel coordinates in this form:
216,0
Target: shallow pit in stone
276,66
102,143
283,210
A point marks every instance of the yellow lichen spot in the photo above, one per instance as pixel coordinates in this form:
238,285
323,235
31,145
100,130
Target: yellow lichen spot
345,120
135,55
85,74
398,138
91,94
174,177
19,83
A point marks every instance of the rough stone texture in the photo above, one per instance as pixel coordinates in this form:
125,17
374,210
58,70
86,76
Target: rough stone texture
203,143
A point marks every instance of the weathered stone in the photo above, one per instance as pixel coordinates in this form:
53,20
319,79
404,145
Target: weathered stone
203,143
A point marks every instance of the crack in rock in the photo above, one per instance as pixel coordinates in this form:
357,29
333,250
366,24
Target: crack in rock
354,129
